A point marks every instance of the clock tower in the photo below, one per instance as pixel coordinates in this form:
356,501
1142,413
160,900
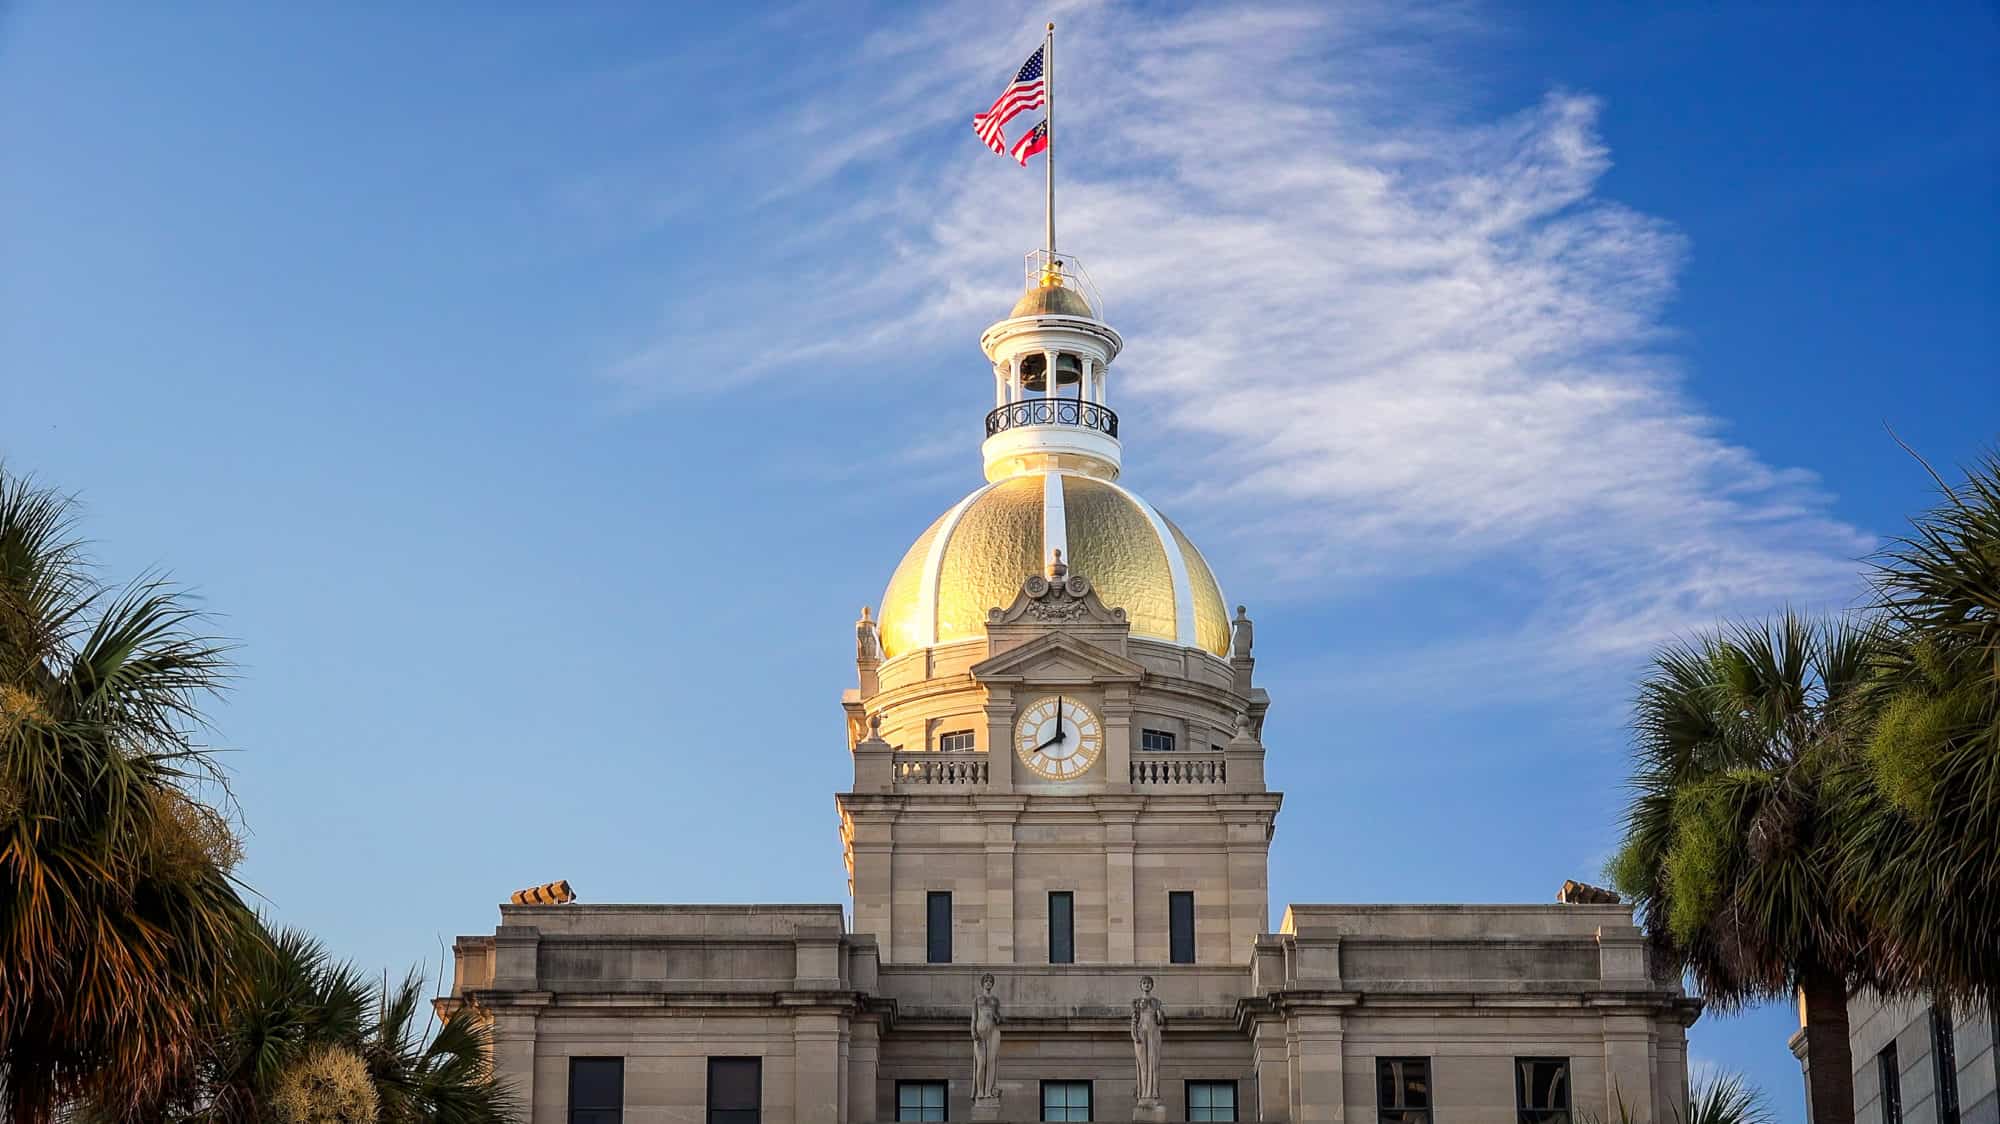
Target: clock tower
1056,741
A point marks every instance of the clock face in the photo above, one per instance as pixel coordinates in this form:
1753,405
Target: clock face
1058,737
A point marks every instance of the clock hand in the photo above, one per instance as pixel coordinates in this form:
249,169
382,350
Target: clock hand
1059,710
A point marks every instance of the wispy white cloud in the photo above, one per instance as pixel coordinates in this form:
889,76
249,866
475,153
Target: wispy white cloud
1409,343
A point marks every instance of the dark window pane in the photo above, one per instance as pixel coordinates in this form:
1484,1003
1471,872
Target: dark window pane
1062,928
1066,1100
1944,1065
1156,741
1541,1090
735,1090
1891,1072
937,927
596,1090
1180,926
1402,1090
920,1100
956,741
1211,1100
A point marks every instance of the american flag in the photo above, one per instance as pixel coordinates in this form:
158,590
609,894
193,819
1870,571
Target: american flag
1033,141
1024,93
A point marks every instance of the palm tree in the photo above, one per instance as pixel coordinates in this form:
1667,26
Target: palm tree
316,1041
1920,814
120,926
1727,849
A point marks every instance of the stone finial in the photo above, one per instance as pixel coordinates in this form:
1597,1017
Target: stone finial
1583,893
1242,634
1056,568
1243,725
875,727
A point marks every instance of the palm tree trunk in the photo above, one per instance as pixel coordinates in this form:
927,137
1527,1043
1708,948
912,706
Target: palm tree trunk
1829,1058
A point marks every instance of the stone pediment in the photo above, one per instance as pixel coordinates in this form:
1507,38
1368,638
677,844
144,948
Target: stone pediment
1058,656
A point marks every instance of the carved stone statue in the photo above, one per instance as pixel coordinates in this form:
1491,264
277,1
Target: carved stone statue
1149,1020
867,642
986,1042
1243,635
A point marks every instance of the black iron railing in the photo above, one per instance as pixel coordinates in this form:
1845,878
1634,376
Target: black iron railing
1052,411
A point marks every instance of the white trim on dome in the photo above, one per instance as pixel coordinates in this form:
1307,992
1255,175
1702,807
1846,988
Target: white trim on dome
927,590
1055,521
1184,633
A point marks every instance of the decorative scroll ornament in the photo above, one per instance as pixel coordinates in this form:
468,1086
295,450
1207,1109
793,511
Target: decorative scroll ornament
1062,597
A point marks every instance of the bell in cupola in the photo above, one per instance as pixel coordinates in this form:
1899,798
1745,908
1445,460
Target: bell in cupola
1034,370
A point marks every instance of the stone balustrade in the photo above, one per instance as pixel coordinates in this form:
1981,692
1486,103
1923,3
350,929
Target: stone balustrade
1176,769
925,768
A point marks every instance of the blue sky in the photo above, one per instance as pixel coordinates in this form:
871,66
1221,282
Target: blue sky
537,396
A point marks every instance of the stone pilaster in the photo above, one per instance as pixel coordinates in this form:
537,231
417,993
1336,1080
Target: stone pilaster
816,1068
1120,817
1319,1090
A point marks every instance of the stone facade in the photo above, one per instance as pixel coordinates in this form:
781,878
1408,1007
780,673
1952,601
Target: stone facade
1897,1071
1072,802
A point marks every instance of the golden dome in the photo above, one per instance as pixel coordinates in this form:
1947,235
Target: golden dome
975,557
1052,300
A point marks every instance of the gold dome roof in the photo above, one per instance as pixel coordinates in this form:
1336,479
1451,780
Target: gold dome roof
975,557
1052,300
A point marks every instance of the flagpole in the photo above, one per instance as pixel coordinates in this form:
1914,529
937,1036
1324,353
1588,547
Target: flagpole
1049,123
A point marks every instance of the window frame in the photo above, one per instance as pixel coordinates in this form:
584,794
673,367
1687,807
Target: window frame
571,1108
1166,736
1430,1090
1089,1097
1944,1066
1067,930
971,742
1235,1098
734,1115
924,1083
934,935
1527,1114
1174,943
1889,1074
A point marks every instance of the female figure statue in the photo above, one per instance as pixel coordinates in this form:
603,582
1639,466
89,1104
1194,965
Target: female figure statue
1149,1019
985,1042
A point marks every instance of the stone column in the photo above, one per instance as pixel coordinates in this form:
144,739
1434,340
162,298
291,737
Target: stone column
874,883
1273,1064
864,1059
1628,1067
514,1055
1118,738
999,739
1120,817
1319,1091
998,818
1249,893
816,1076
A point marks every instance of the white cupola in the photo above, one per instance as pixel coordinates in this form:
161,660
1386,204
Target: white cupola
1050,358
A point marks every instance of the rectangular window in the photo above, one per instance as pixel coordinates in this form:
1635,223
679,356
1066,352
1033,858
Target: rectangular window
1211,1100
596,1090
1890,1071
955,741
1403,1091
1062,927
1156,741
735,1090
937,927
1541,1090
1180,927
1944,1065
920,1100
1065,1100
